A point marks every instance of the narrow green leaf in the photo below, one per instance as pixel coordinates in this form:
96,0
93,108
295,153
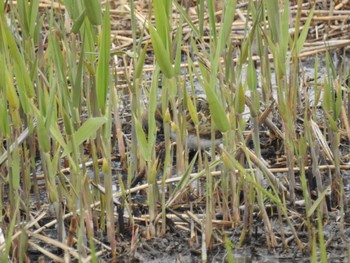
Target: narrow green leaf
161,53
102,74
273,18
140,62
333,123
183,183
161,14
251,75
93,11
4,118
272,45
86,131
57,135
179,44
191,108
11,92
21,89
240,105
67,120
43,136
226,26
152,107
20,69
217,110
73,8
78,22
15,166
56,52
247,43
212,20
23,16
187,18
34,9
141,140
4,256
323,247
302,146
327,99
314,248
77,85
258,187
338,103
284,31
304,32
228,247
90,38
253,85
317,203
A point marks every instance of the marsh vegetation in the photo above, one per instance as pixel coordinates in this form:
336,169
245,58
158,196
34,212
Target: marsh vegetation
174,130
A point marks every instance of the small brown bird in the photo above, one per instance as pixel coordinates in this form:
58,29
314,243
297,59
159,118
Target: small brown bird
193,138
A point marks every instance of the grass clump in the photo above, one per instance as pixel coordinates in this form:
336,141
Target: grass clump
78,89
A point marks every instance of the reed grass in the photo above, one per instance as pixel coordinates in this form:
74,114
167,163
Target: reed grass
64,86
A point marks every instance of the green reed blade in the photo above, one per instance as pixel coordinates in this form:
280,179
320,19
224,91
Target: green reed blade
304,33
162,18
23,7
178,43
102,72
152,107
4,118
141,139
5,250
183,183
93,11
77,84
226,26
187,19
274,19
33,17
161,53
191,108
86,131
43,135
140,63
239,100
211,11
73,8
217,110
15,168
20,68
78,22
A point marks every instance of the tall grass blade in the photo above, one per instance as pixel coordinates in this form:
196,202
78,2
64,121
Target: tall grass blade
161,53
33,16
15,167
317,203
93,11
183,183
86,131
4,255
301,40
217,110
163,23
274,19
102,73
20,68
78,23
187,19
73,8
141,139
322,243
